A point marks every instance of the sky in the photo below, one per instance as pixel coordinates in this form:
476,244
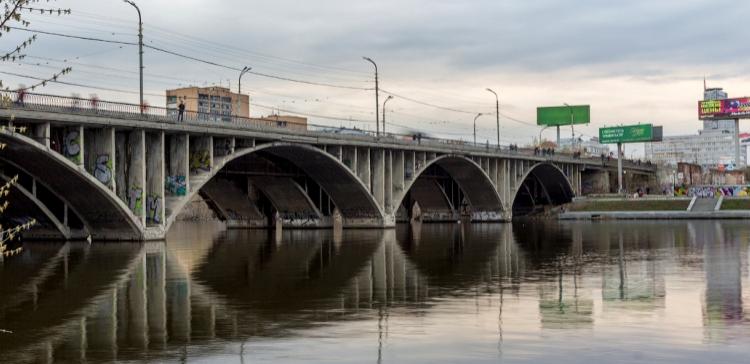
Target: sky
635,61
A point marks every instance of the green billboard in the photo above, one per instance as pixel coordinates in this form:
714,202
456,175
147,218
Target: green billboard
563,115
626,134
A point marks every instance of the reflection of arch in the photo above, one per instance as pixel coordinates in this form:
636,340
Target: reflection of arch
470,177
543,184
349,194
276,281
103,213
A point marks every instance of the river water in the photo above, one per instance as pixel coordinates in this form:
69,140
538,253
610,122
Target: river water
528,292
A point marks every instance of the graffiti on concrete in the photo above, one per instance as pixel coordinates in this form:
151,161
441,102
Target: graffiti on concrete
176,185
72,146
299,219
135,199
153,209
486,216
712,191
103,169
200,161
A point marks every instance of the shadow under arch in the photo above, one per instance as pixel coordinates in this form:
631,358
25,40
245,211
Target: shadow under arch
102,213
476,185
353,199
543,184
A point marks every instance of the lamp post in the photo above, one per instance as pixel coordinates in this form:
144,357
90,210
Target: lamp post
385,102
246,69
475,127
140,47
497,113
572,131
377,103
540,134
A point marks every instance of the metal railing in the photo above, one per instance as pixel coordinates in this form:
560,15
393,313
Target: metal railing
127,111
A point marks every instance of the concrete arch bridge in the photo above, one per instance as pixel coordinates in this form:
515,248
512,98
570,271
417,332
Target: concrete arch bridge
114,172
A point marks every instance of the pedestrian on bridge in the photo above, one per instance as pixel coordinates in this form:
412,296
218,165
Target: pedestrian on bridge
181,111
20,95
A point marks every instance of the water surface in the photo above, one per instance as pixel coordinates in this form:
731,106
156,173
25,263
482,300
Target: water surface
661,292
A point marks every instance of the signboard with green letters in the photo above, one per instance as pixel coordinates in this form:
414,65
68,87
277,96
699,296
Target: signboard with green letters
563,115
627,134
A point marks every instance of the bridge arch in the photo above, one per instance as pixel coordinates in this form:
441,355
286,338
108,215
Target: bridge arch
475,183
544,184
102,213
353,199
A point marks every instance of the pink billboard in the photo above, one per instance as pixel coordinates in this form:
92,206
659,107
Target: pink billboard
724,109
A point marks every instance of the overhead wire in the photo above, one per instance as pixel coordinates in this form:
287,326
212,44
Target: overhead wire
196,59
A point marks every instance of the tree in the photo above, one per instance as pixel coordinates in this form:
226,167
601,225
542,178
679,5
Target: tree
12,19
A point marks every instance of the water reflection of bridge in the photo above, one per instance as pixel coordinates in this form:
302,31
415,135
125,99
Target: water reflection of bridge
133,301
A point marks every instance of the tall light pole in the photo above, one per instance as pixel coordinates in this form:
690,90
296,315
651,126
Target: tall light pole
475,127
497,113
140,47
377,102
385,102
540,134
572,131
239,89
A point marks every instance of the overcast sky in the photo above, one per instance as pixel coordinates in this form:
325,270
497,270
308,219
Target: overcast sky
632,61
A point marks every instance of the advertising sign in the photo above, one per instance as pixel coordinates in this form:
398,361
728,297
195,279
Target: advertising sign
724,109
626,134
563,115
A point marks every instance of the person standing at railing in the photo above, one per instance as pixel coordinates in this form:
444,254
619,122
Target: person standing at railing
181,111
20,96
94,102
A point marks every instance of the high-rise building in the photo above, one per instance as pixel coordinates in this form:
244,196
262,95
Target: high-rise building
712,147
211,103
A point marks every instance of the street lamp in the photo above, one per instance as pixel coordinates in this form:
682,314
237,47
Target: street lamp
540,134
140,47
572,131
497,113
390,97
246,69
377,103
475,127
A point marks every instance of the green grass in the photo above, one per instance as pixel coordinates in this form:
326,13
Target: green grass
631,205
736,204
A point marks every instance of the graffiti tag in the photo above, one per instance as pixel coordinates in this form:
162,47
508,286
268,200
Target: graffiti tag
153,209
103,169
200,161
176,185
135,199
72,146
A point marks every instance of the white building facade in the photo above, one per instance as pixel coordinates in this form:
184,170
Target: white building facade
712,147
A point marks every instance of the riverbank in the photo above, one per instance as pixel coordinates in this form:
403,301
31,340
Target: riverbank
657,208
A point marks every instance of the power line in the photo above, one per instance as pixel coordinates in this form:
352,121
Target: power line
321,116
195,59
427,103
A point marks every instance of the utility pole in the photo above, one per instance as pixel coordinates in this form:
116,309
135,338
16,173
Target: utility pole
140,48
497,113
385,102
377,102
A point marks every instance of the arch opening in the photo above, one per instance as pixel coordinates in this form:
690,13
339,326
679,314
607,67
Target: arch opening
76,200
544,186
455,184
300,185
